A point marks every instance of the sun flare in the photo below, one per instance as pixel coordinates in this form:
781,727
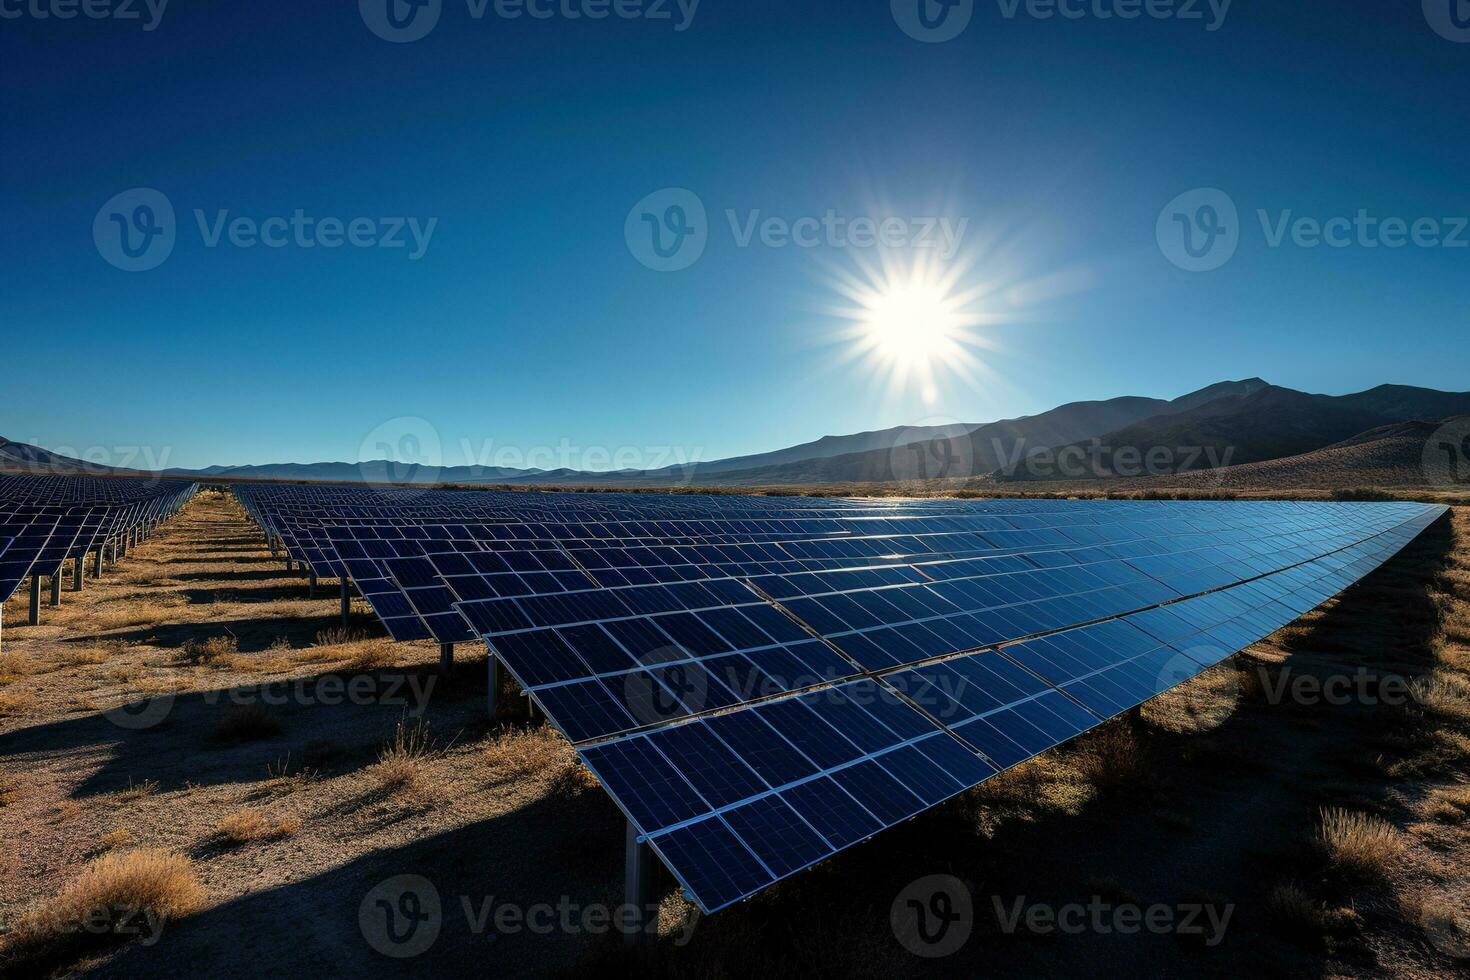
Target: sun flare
912,327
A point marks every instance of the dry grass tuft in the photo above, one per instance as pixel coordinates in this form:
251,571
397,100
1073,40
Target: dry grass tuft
1449,804
1111,757
114,839
1045,785
117,896
372,655
136,791
1359,844
244,826
14,703
247,723
207,651
94,654
1444,695
516,753
281,781
9,789
1297,915
337,636
399,768
1198,705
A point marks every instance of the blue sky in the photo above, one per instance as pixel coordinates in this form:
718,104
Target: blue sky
528,321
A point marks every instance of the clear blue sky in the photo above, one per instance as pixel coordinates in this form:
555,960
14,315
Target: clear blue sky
528,322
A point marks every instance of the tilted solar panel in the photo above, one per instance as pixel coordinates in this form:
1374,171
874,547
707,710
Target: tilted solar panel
762,682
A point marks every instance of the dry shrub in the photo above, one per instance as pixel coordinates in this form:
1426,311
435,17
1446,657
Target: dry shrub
1047,784
1111,757
399,768
9,789
14,703
1449,804
516,753
1201,704
281,781
115,838
112,899
14,666
207,651
244,826
96,653
1444,695
371,655
136,791
247,723
1358,844
338,636
1297,915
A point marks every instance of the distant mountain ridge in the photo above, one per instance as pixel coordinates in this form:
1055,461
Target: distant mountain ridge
1265,424
1231,424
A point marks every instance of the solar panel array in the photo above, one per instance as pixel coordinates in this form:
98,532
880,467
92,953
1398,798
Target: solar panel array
762,682
44,520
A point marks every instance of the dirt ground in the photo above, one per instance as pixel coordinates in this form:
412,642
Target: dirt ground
298,767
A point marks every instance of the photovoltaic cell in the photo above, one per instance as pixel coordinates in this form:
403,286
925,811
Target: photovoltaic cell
761,682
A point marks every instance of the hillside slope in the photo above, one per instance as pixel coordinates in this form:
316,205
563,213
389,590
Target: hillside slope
1271,423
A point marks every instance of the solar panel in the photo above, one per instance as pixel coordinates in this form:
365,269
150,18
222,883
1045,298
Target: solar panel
761,682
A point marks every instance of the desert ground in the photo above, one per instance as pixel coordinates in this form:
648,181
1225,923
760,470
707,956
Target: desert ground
1310,798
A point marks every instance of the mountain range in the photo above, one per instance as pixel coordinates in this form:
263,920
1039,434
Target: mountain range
1226,426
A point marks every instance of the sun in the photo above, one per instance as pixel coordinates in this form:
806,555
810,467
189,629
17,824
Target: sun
912,327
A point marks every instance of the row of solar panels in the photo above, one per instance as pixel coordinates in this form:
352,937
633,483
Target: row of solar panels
760,683
46,520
